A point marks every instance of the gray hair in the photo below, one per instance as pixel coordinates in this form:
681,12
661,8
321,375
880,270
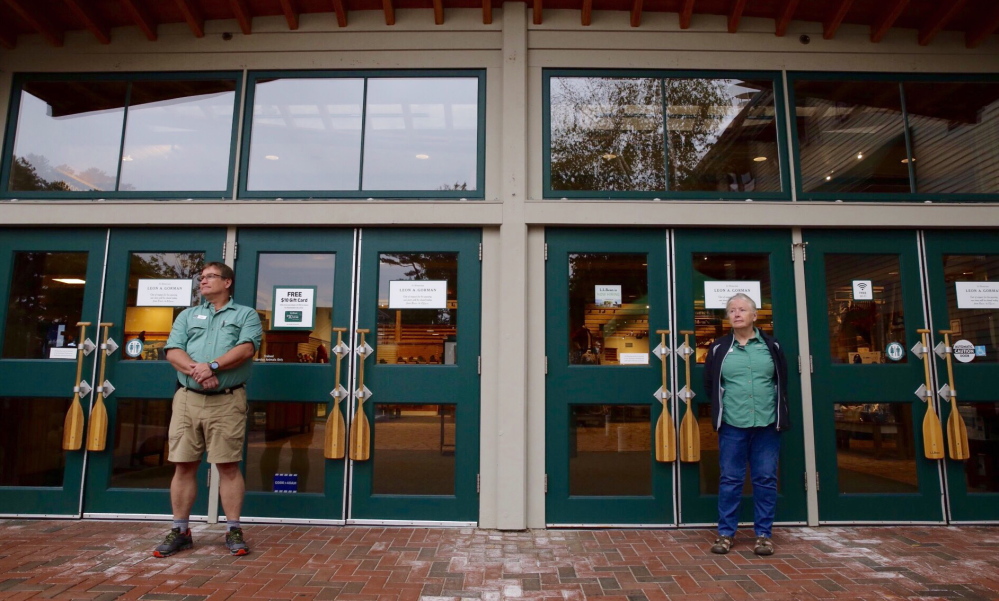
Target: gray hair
743,296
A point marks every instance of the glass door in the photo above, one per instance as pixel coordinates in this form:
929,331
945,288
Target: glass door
49,283
865,307
606,307
963,283
299,281
150,280
414,427
711,266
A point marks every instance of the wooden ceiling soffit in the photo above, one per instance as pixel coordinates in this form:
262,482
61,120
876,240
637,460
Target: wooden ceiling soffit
389,12
836,19
879,30
986,27
586,14
140,16
84,13
735,15
43,26
537,12
290,13
686,13
243,16
785,16
341,13
487,12
938,20
636,13
192,14
438,12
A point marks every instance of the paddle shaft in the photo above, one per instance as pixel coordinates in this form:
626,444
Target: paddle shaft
360,430
334,448
957,432
932,431
665,435
690,439
98,433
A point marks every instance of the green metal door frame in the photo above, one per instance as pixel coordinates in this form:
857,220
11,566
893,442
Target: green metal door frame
886,383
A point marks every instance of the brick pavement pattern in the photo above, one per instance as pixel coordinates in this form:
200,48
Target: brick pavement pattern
98,560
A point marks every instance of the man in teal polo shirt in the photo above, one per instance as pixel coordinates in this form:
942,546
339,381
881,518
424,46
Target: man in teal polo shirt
212,347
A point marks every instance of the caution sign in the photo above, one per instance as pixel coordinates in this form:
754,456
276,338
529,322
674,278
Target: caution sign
964,351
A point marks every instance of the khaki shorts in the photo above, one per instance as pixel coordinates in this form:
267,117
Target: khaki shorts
218,421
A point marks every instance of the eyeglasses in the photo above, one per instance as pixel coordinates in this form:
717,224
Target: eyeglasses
208,276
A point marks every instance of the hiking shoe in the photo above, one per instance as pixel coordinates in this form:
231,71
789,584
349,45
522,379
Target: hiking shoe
175,541
234,540
764,546
722,545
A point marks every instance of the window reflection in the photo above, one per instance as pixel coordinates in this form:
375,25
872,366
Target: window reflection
610,450
149,313
284,447
860,330
309,344
31,441
716,276
982,467
415,449
45,304
417,324
608,309
979,326
851,137
875,448
141,444
709,468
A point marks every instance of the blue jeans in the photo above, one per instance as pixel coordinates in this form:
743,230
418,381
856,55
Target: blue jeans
760,447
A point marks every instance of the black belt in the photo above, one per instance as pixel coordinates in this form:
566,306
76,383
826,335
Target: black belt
229,390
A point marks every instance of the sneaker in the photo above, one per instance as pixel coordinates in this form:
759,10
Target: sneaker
175,541
764,546
234,540
722,545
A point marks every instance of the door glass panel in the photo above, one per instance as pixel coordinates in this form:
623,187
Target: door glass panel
414,450
875,448
980,326
284,447
610,450
982,468
68,136
141,444
160,286
31,441
709,466
717,277
864,303
608,309
417,323
46,300
285,343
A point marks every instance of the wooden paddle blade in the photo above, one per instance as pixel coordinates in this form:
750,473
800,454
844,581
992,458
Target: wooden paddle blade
72,430
333,447
665,438
932,435
98,434
360,436
690,437
957,436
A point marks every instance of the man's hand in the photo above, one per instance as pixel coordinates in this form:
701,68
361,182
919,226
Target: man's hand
210,383
201,372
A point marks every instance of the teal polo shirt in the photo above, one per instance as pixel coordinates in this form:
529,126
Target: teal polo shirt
748,382
207,334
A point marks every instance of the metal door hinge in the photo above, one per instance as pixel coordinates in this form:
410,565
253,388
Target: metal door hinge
223,251
480,251
546,251
799,364
804,250
811,365
546,365
546,484
235,250
480,365
817,487
478,483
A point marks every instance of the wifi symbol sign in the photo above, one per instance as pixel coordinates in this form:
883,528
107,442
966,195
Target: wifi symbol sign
863,290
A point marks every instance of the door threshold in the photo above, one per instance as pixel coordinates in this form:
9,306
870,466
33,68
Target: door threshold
413,523
139,517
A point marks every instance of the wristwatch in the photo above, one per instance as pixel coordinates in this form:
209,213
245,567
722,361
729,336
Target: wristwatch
214,366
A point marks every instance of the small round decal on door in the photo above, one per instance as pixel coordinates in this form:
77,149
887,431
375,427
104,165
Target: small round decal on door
964,351
133,348
895,351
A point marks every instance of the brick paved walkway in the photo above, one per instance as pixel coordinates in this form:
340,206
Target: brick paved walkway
111,560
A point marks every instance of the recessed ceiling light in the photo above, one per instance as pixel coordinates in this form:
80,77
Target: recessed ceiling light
828,178
75,281
272,157
608,156
860,156
907,160
760,159
423,156
127,157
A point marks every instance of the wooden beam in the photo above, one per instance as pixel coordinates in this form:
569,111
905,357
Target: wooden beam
389,12
341,13
243,15
586,15
438,12
192,14
91,21
986,27
880,30
44,27
140,16
836,19
686,13
735,15
636,13
537,12
785,16
290,13
939,20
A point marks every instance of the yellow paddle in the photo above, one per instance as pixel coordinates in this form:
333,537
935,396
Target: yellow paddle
335,427
72,430
665,433
957,431
98,433
932,433
690,434
360,430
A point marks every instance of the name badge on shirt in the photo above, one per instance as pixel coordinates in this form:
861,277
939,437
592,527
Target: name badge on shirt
202,317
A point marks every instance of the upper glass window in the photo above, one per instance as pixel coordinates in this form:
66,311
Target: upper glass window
650,136
366,136
122,137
